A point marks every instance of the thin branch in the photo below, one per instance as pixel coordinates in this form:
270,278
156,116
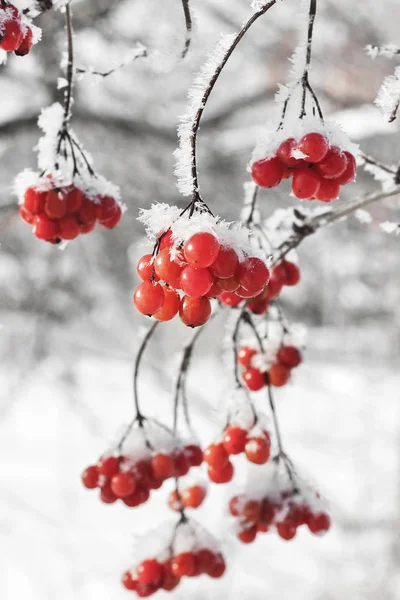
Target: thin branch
139,416
189,26
140,52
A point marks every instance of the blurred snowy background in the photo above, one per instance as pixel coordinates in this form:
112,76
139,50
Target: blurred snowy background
69,331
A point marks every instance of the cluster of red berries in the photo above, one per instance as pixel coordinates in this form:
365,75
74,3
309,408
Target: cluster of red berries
15,36
188,497
203,269
131,481
152,575
64,213
278,374
283,511
316,176
282,274
255,444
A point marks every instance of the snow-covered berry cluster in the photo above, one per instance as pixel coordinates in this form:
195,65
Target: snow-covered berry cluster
316,167
273,369
142,467
15,35
285,511
203,265
189,552
62,213
190,495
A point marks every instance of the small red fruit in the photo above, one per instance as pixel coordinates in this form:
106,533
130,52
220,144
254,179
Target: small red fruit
167,269
267,172
329,190
44,228
235,439
254,379
247,536
278,375
258,450
145,268
150,572
319,523
287,273
123,484
12,35
25,46
225,264
315,147
230,299
25,215
181,464
193,496
148,298
107,495
216,456
245,355
195,282
349,174
306,183
201,250
183,565
69,228
334,163
194,311
286,530
289,356
108,466
194,454
129,582
171,306
74,200
34,200
114,220
90,477
162,466
222,474
253,274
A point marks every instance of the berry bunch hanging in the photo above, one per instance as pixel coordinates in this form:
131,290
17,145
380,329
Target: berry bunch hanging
17,34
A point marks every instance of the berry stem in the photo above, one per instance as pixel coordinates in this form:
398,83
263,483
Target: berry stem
139,416
70,65
189,26
199,114
304,80
249,220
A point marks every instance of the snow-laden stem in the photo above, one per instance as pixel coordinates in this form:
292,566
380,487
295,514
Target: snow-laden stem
199,113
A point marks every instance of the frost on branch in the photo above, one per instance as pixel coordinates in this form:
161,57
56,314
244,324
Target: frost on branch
388,99
184,154
387,50
390,227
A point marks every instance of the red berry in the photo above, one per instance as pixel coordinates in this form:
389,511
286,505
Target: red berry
268,511
171,306
235,439
319,523
243,293
106,208
261,528
25,46
222,474
107,495
108,466
193,496
216,456
123,484
69,228
114,220
306,183
235,506
260,303
129,582
201,250
287,273
278,375
218,567
87,227
183,565
230,284
194,311
247,536
167,269
251,511
214,291
145,268
258,450
315,147
162,466
254,379
165,239
334,163
225,264
149,298
267,172
44,228
34,200
194,454
329,190
286,531
26,215
245,355
12,35
274,286
90,477
87,212
55,205
349,174
74,200
230,299
205,560
144,591
139,496
289,356
284,152
169,582
150,572
253,274
181,464
195,282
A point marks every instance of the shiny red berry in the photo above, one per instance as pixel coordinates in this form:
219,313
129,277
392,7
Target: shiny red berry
194,311
123,484
235,439
253,274
148,298
289,356
90,477
201,250
267,172
245,355
254,379
314,146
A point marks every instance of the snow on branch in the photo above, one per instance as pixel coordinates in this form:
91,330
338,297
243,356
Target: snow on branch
388,50
388,99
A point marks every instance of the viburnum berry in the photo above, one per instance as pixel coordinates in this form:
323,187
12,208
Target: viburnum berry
107,495
243,293
306,183
248,535
12,35
74,200
259,304
286,531
194,454
214,291
319,523
284,152
139,496
167,269
193,496
123,484
114,220
334,163
289,356
108,466
254,379
90,477
258,450
162,466
274,286
251,511
329,190
253,274
87,214
314,146
165,240
216,456
150,572
145,268
170,307
235,439
286,272
55,205
217,568
149,298
196,282
183,565
222,474
230,284
267,172
201,250
129,582
181,464
230,299
349,174
34,200
25,215
245,355
26,45
44,228
278,375
194,311
106,208
69,228
235,506
225,264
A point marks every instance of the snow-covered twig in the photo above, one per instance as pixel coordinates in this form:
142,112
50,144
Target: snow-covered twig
139,52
